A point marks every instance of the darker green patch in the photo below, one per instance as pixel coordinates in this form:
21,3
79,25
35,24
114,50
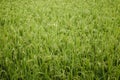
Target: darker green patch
2,22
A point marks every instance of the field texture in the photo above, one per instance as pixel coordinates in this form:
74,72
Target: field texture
59,39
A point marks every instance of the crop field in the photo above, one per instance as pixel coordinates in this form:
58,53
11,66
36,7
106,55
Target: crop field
59,39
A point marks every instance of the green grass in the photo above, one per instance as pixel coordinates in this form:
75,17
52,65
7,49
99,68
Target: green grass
59,39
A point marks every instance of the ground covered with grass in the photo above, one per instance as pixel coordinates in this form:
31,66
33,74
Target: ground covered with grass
59,39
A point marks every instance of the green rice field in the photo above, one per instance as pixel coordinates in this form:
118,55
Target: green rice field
59,39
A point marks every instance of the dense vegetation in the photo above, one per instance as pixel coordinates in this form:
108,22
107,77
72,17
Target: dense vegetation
59,39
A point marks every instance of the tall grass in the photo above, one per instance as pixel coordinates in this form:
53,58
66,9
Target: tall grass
59,39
